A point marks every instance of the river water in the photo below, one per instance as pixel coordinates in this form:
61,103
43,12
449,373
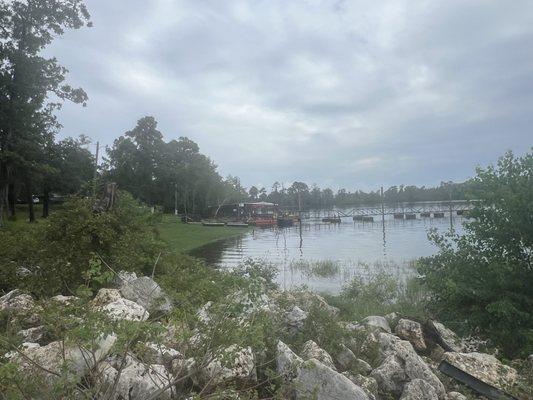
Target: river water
325,256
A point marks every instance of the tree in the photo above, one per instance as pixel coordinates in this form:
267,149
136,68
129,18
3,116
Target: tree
27,79
482,280
253,192
71,168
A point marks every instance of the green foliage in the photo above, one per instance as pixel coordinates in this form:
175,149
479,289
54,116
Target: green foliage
481,281
379,295
70,248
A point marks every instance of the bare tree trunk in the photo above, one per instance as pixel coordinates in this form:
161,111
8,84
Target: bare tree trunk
11,200
29,199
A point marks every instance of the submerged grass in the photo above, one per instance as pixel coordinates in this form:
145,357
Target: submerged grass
322,269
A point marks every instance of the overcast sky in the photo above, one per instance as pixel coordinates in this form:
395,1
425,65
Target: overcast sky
353,94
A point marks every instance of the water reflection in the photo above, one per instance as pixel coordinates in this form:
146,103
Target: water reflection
359,248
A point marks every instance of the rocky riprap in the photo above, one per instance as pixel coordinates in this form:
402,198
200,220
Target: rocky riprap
383,357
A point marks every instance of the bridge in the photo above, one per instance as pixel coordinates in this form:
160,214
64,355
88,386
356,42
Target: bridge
409,211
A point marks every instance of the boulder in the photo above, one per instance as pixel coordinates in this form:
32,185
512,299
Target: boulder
146,292
123,309
312,350
124,277
137,381
230,364
484,367
392,318
16,301
390,376
32,335
367,383
24,347
105,296
376,321
308,300
413,365
156,353
287,362
346,360
411,331
295,319
418,389
57,357
203,313
319,382
445,337
64,300
455,396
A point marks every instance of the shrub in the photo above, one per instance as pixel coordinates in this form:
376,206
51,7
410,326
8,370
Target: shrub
481,281
66,250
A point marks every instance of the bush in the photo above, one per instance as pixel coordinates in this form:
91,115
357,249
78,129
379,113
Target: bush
70,248
481,281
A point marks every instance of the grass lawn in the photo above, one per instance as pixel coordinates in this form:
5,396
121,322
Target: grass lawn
186,237
22,218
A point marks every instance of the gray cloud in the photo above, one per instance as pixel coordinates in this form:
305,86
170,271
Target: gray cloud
343,93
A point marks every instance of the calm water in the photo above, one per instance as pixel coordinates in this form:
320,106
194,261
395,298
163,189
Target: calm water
358,249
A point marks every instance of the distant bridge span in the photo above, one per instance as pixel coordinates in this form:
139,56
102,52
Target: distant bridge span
424,209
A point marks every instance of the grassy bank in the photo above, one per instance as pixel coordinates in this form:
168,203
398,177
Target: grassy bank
186,237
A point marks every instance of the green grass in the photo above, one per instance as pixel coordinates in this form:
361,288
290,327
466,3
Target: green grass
186,237
22,218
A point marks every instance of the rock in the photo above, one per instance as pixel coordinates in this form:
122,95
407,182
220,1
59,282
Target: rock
319,382
411,331
413,365
295,319
446,338
484,367
367,383
346,360
455,396
307,300
23,348
124,277
377,322
147,293
137,381
312,350
33,335
105,296
64,300
16,301
392,319
203,313
390,376
58,357
232,363
156,353
418,389
287,362
123,309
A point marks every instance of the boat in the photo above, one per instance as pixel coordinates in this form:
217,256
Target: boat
285,222
332,220
209,223
237,224
265,222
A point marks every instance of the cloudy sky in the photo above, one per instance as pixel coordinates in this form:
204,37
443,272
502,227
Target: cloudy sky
353,94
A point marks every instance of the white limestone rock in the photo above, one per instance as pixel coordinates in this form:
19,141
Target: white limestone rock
411,331
123,309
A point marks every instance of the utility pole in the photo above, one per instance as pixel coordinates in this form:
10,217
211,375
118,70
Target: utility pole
95,168
382,209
